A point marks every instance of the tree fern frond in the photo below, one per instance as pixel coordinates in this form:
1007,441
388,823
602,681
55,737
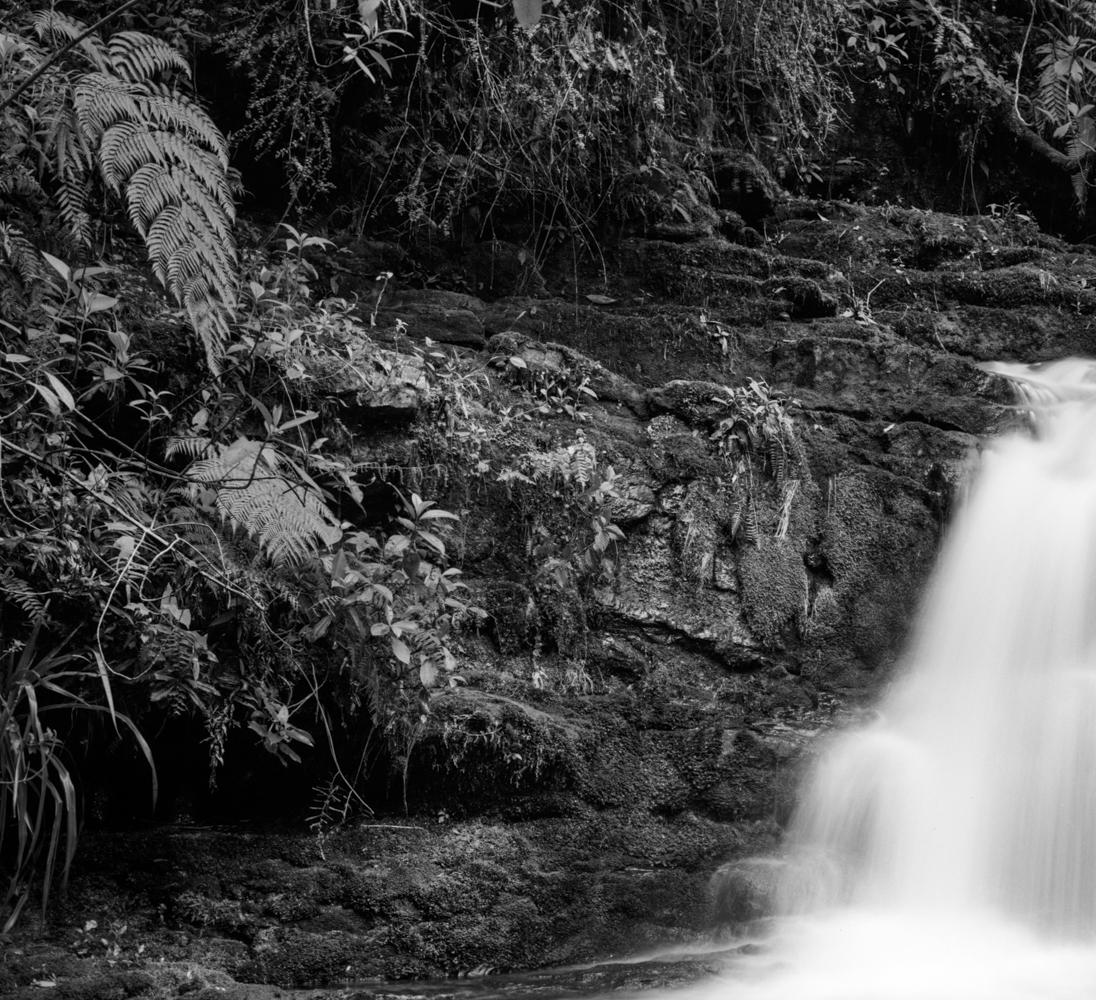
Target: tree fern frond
53,26
181,244
126,146
208,318
150,190
103,100
170,109
153,146
188,272
137,57
191,446
1052,91
290,520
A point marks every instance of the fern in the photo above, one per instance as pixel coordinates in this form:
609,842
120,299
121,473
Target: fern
164,155
289,519
1053,91
750,529
21,273
20,593
17,250
137,57
189,447
113,108
330,808
574,463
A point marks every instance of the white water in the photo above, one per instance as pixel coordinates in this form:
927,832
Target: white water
953,842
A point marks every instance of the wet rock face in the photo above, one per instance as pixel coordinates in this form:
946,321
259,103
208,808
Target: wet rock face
620,736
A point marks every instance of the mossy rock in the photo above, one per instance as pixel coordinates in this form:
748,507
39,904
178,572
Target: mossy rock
774,588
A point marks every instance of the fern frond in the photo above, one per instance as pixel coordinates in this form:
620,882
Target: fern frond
161,152
193,446
138,57
72,201
290,520
18,251
750,527
1052,91
184,247
22,595
17,181
208,318
102,99
119,115
53,26
582,463
176,112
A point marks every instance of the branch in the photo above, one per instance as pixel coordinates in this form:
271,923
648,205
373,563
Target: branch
1006,115
46,63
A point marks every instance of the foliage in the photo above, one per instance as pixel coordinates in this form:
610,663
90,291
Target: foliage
38,806
564,126
599,114
570,543
193,536
1037,81
757,428
300,64
112,111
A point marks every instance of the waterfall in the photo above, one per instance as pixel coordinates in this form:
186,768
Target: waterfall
961,823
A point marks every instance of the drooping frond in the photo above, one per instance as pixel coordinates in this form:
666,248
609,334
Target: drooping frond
137,57
102,99
287,515
164,155
121,116
56,28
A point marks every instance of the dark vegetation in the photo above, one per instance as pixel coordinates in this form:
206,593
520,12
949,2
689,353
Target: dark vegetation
207,574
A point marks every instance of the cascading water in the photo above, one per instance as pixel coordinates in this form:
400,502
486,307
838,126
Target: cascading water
948,850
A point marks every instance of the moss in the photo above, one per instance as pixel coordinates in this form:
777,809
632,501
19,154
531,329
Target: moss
563,613
805,297
220,914
690,400
117,985
482,748
513,617
289,907
288,957
774,587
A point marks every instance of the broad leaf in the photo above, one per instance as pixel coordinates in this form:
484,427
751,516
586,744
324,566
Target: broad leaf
528,13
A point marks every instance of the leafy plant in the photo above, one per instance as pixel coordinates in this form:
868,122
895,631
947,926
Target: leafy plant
113,111
758,428
1040,95
38,823
260,490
